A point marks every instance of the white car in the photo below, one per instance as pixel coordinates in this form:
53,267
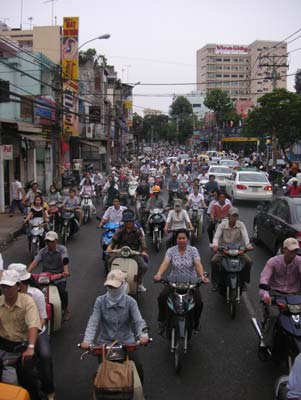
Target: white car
233,164
221,173
249,185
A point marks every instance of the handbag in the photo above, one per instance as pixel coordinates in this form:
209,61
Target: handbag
114,378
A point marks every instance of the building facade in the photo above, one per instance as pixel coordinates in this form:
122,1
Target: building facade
244,72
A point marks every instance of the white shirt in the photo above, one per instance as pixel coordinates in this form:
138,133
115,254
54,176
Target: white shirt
15,190
195,200
39,299
177,220
113,215
1,262
107,185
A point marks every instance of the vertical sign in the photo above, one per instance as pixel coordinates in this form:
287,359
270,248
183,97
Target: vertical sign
70,76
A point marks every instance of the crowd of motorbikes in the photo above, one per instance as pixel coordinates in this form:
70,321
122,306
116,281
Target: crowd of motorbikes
180,303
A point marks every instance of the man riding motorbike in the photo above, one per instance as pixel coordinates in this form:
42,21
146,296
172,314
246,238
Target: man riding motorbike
143,191
219,211
173,186
282,274
117,317
211,185
54,259
229,232
131,236
113,213
156,201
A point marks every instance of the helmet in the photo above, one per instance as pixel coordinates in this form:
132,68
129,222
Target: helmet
128,216
156,189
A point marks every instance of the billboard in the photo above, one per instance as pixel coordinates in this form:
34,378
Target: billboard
230,49
70,76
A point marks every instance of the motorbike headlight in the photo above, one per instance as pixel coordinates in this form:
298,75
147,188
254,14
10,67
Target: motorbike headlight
233,252
294,308
43,280
125,253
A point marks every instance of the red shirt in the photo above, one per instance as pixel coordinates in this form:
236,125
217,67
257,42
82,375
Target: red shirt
220,211
294,191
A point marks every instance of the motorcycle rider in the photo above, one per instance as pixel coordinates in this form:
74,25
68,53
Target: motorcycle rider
229,232
116,316
54,259
131,236
143,191
89,190
53,194
156,201
282,274
219,211
195,199
31,194
294,188
173,185
43,344
19,321
211,185
176,219
72,202
184,259
113,213
182,178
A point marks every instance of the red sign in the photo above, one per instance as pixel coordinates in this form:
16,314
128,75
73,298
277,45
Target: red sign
7,151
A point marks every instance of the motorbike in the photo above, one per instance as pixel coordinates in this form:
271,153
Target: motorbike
173,195
86,205
143,211
98,192
287,344
117,352
159,180
109,230
54,212
230,283
132,190
69,224
46,282
280,388
180,322
128,265
197,221
36,234
156,225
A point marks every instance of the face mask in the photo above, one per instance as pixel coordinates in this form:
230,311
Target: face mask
114,295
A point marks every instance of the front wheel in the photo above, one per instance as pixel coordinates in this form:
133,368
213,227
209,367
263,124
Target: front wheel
232,303
156,241
179,353
64,234
86,215
34,249
256,233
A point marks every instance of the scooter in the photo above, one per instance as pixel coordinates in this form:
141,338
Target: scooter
109,230
53,301
128,265
230,283
69,224
53,212
181,306
117,352
36,236
156,225
197,221
86,205
288,329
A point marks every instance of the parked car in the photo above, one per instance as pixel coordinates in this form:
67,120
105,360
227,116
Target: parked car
277,220
221,173
249,185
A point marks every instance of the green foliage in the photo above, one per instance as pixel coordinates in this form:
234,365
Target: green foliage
180,106
277,114
218,101
182,119
298,82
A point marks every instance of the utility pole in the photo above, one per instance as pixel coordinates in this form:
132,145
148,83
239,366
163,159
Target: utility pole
273,62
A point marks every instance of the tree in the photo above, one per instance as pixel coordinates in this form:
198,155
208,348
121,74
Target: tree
182,118
298,81
278,115
218,101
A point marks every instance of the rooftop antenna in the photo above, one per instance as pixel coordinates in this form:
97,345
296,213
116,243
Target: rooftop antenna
52,9
30,22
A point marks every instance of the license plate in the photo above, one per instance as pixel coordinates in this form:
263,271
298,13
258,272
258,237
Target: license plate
254,189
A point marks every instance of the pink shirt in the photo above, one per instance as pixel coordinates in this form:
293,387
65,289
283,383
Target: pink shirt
280,276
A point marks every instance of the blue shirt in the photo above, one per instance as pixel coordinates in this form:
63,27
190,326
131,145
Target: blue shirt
121,321
294,380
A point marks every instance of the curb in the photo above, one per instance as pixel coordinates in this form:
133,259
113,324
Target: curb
10,237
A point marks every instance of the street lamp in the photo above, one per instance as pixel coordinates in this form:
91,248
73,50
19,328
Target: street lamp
105,36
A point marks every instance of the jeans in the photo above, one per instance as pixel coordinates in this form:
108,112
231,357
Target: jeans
45,361
17,203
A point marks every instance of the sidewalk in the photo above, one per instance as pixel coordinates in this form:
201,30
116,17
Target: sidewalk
10,228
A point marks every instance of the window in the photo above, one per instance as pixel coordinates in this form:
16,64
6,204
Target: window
227,67
218,60
282,211
241,76
234,68
234,76
234,59
226,59
26,109
218,75
226,76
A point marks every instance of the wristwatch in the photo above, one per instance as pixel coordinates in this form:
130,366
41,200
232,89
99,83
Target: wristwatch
30,346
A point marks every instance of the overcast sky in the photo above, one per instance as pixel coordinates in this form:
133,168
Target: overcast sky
156,41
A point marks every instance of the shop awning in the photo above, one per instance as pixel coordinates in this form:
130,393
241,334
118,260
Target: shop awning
34,138
86,142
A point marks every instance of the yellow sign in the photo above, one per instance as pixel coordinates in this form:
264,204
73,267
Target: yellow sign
239,139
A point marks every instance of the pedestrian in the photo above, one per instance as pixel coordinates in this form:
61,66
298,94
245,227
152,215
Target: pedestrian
17,197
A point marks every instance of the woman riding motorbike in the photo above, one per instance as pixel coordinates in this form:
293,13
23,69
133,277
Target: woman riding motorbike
176,219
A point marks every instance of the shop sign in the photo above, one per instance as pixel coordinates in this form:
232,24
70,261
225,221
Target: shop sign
7,152
232,49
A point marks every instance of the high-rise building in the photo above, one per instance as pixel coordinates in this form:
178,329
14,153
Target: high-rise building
245,72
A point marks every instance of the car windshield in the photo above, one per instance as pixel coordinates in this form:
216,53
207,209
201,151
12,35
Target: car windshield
228,162
253,178
216,170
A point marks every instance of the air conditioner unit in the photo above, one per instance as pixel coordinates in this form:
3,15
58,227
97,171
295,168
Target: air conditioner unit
89,131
